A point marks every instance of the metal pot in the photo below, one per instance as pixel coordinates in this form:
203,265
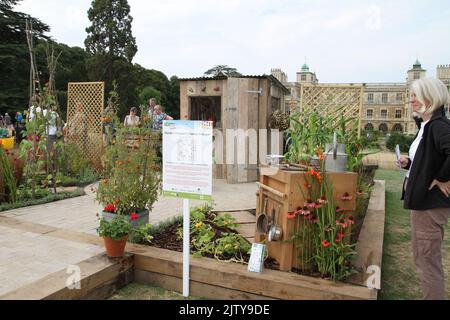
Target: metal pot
336,158
275,232
262,222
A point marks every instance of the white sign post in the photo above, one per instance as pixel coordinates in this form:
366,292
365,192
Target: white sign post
187,171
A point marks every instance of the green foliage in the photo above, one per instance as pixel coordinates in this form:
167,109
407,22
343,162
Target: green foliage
25,193
112,46
225,221
147,93
110,31
142,234
404,141
73,160
14,57
369,139
46,199
310,131
231,244
212,235
115,229
133,178
7,179
321,232
222,70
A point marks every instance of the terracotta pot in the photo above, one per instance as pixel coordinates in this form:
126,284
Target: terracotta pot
115,248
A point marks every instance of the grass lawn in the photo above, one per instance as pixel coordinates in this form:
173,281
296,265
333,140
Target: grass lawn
399,279
135,291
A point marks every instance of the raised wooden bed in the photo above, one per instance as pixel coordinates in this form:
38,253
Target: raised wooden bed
219,280
101,277
209,278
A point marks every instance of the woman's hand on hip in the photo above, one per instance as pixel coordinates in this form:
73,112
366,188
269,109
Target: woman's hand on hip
444,186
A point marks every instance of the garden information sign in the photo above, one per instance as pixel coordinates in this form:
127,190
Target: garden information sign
187,171
187,159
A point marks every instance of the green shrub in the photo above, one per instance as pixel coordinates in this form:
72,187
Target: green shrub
369,139
404,141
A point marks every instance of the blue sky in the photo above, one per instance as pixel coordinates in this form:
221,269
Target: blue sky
343,41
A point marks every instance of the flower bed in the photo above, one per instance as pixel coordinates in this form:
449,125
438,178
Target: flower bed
212,236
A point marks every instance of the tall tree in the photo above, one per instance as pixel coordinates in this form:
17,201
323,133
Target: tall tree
111,43
14,57
222,70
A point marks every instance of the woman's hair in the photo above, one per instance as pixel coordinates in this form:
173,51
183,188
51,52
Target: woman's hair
133,109
433,90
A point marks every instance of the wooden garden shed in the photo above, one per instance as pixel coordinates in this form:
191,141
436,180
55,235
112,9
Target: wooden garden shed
233,103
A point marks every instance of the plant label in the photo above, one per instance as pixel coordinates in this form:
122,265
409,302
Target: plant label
397,152
256,262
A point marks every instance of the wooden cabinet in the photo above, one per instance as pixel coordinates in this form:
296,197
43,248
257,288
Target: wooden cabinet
282,190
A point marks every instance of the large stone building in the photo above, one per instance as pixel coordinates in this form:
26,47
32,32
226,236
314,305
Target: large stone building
385,105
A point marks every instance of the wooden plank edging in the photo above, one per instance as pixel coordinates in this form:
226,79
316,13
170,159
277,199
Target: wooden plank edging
100,277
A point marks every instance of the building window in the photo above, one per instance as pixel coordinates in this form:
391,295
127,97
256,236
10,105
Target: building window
383,113
416,75
383,127
397,128
384,98
399,97
370,113
398,114
370,97
368,127
303,78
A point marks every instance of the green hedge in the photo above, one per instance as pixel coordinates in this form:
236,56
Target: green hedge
50,198
404,141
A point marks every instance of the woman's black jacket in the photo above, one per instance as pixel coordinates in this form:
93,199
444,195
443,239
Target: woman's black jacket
431,161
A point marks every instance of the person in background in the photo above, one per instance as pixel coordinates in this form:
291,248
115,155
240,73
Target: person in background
151,107
76,129
19,117
19,127
131,120
426,189
159,117
52,129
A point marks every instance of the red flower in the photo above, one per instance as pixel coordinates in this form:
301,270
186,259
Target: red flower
342,223
134,216
291,215
314,218
346,197
339,209
317,205
304,211
322,200
350,220
309,204
325,243
340,236
110,208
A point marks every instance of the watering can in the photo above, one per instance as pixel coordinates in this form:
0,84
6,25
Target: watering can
335,158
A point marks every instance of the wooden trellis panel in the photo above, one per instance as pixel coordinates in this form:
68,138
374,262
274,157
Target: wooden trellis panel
329,98
85,104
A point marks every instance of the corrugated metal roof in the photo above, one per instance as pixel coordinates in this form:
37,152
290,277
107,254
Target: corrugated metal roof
264,76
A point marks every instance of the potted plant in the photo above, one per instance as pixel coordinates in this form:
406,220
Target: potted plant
132,178
115,233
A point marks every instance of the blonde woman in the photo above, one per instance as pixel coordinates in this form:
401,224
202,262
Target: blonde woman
426,190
